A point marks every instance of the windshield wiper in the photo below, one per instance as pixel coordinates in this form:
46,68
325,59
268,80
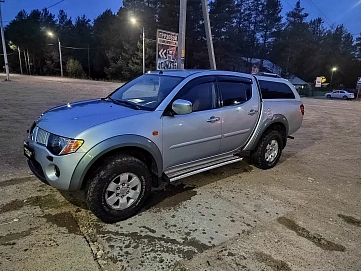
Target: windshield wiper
124,102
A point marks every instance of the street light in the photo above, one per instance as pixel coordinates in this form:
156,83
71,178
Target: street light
51,34
134,21
333,70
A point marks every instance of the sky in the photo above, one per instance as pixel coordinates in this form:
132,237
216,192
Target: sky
333,12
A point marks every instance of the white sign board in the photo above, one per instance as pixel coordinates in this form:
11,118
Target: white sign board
359,81
167,50
318,82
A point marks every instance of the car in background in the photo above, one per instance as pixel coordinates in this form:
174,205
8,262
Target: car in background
340,94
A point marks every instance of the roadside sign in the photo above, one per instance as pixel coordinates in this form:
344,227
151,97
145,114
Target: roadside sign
359,81
318,82
167,50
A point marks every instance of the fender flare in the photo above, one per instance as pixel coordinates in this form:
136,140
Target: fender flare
277,118
111,144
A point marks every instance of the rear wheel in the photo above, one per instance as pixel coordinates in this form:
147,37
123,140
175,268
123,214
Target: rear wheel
268,151
118,188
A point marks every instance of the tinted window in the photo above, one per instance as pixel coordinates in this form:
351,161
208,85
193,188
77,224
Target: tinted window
275,90
234,93
202,96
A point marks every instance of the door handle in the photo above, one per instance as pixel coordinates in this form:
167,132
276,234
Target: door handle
213,119
252,112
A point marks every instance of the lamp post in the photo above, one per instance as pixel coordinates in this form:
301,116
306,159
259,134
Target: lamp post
61,60
4,45
134,21
333,70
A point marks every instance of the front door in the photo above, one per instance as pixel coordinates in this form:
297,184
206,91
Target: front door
198,134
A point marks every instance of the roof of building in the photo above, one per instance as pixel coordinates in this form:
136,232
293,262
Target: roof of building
297,81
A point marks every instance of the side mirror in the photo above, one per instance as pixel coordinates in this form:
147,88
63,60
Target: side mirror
182,107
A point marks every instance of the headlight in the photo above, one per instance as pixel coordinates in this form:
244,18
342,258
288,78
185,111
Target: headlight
58,145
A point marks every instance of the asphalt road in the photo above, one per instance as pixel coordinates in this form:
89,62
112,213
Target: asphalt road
304,214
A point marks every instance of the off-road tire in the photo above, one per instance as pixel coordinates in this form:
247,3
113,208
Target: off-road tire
97,184
258,156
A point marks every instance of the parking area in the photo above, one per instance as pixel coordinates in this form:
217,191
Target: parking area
304,214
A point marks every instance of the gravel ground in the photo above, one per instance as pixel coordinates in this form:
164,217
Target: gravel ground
304,214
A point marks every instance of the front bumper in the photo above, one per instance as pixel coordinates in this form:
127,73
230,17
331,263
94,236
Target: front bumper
53,170
36,169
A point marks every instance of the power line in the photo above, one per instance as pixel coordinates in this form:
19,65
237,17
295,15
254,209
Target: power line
55,4
77,48
289,4
46,8
321,13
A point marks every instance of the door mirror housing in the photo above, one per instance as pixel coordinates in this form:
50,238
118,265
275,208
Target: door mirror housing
182,107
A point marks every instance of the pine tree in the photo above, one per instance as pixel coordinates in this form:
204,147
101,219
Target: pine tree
358,48
269,25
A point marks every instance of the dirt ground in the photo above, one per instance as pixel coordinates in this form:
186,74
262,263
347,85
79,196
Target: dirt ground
304,214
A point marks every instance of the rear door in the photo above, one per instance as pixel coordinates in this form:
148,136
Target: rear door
240,106
343,93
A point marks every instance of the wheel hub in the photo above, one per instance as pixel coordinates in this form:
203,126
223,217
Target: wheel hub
271,151
123,191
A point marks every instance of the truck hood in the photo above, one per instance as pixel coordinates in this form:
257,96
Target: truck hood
72,119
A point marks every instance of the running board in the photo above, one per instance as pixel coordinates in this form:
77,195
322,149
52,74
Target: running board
195,170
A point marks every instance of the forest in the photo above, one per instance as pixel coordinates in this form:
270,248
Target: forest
110,47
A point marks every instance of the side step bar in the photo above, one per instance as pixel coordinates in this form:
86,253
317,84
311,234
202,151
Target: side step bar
195,170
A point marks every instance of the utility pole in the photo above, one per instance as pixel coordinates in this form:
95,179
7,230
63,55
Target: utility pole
27,52
4,45
182,33
26,63
143,36
207,26
21,65
88,62
61,59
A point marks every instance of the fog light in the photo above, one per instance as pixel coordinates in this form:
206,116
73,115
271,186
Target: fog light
57,171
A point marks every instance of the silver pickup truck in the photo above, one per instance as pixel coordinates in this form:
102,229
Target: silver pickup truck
164,125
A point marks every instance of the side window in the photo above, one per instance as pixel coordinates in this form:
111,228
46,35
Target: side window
234,93
202,96
275,90
342,92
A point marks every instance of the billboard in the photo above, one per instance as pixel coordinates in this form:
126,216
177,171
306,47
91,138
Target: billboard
318,82
167,50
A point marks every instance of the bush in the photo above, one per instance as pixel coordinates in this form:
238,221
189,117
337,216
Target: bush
74,69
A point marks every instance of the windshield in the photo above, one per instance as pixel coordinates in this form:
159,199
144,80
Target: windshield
146,91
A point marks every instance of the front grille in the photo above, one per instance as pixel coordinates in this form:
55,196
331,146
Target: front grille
42,137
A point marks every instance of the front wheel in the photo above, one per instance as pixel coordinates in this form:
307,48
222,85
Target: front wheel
345,97
328,96
118,188
268,151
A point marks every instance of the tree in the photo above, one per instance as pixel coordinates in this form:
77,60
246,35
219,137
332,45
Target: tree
358,48
222,16
270,24
74,69
293,44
